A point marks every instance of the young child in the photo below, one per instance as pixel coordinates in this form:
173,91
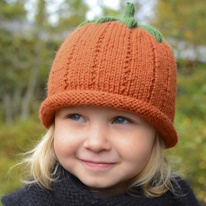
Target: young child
109,113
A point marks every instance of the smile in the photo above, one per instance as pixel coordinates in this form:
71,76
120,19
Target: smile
97,165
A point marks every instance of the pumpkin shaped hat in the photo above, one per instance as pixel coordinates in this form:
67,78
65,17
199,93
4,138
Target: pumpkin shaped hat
115,63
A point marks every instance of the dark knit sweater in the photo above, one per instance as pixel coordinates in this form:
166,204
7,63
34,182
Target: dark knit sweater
69,191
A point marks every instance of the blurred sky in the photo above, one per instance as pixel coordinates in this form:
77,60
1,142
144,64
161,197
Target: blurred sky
145,12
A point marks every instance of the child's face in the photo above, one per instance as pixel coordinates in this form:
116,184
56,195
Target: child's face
102,147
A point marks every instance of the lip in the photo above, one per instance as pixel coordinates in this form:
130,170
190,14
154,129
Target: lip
94,165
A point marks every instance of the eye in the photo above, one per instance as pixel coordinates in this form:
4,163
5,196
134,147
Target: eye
120,120
75,117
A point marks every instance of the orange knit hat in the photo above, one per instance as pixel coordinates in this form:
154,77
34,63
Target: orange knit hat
115,63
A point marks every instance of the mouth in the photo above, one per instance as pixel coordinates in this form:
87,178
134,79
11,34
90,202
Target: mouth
97,165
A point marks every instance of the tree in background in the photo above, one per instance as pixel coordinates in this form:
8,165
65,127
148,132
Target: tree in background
26,57
183,24
71,13
10,46
183,21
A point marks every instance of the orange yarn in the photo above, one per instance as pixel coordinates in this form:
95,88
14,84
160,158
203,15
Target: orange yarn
109,64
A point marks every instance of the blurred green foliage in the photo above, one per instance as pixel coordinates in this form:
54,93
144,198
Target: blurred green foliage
26,57
182,20
15,10
16,139
189,155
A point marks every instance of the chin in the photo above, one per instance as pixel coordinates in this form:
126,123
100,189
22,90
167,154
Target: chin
96,184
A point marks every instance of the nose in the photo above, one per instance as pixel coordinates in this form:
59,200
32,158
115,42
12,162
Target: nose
97,139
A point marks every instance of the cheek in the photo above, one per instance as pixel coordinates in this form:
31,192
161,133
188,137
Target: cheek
138,158
138,147
64,143
139,153
65,148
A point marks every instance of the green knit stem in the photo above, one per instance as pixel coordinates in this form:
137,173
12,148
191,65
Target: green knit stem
128,17
130,22
129,10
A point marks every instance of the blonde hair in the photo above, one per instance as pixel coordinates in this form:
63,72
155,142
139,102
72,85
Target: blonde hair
40,162
155,179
